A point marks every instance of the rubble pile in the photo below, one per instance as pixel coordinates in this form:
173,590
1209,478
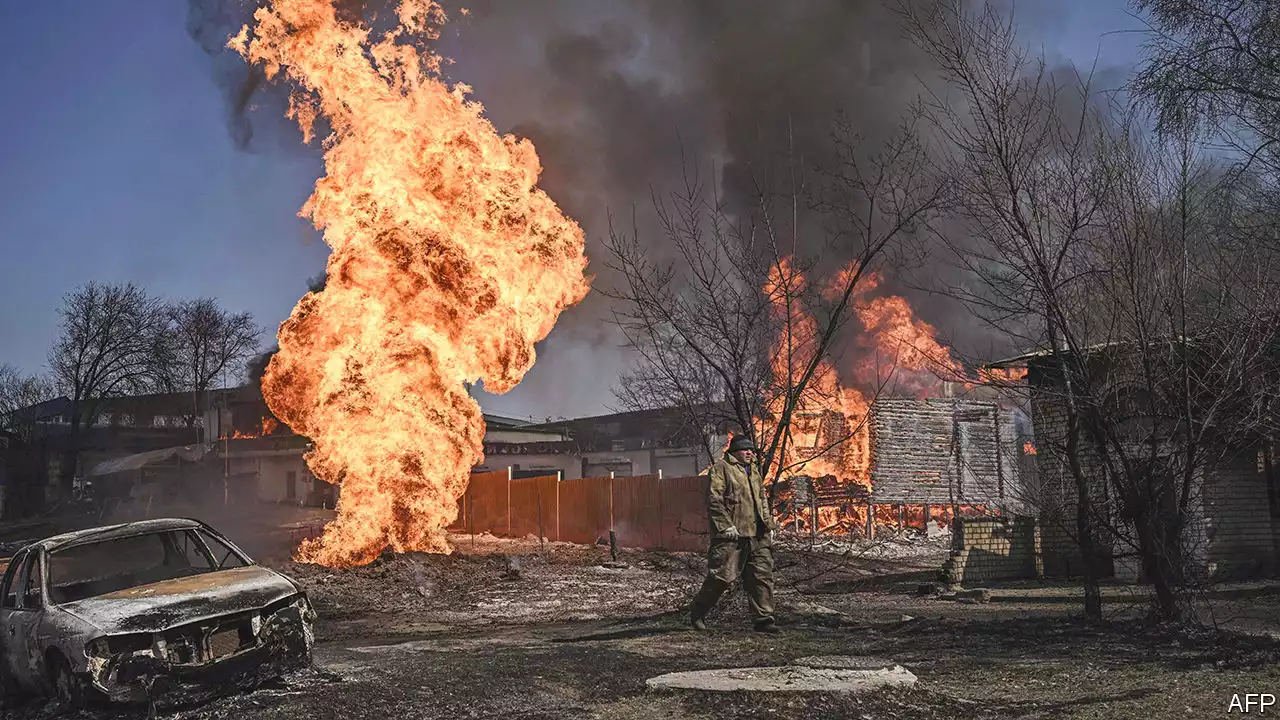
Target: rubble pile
910,545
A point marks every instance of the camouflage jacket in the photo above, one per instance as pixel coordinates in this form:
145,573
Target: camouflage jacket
737,498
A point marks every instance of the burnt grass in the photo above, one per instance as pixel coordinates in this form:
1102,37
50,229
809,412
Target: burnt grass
457,637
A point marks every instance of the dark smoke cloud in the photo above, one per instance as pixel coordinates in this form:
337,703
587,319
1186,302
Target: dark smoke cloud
616,95
244,87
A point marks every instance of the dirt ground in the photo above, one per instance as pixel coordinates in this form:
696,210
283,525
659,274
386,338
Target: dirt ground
462,637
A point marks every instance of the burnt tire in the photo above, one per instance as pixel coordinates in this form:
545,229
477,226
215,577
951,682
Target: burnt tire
69,688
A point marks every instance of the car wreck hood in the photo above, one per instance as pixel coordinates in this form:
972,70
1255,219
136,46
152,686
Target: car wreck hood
163,605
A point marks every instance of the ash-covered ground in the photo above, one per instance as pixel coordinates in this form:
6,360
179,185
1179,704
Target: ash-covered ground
467,636
498,581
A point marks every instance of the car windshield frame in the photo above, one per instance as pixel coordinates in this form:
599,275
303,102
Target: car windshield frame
168,537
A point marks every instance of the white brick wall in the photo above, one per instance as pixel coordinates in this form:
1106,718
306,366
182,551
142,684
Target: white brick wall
1241,532
1232,533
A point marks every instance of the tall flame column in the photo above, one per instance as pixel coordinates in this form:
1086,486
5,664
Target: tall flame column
447,265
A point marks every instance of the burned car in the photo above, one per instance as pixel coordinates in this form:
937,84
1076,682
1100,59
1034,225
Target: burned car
134,612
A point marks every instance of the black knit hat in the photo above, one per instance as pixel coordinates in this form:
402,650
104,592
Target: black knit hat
741,442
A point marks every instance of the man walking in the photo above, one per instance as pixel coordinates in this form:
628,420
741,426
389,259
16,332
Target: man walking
741,537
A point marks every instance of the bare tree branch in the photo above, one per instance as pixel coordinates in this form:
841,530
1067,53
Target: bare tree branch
106,349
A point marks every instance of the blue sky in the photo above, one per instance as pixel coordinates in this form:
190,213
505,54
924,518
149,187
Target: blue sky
116,165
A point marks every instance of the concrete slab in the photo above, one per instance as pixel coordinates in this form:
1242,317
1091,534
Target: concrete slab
830,673
845,662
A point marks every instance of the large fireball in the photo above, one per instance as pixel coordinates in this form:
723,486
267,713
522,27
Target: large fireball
447,265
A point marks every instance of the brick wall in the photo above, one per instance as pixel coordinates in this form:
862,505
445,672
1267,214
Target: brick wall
1052,491
1233,531
933,451
1059,550
1240,531
996,549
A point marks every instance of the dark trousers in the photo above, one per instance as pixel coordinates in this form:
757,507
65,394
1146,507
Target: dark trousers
753,557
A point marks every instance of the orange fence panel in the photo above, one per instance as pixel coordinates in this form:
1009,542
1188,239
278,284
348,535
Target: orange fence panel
584,510
489,503
644,511
531,497
684,513
636,518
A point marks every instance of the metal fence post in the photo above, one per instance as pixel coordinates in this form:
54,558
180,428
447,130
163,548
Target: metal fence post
537,488
661,522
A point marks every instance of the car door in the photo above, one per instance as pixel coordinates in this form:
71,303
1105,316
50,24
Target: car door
10,589
24,621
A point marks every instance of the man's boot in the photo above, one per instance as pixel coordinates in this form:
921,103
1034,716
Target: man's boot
697,623
766,626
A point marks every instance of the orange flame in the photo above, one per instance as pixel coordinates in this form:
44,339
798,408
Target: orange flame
268,426
998,376
1029,448
901,351
447,265
829,434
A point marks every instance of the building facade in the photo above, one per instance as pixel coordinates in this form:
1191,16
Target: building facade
1233,510
649,442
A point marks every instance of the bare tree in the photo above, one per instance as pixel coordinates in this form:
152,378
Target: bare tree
740,331
106,348
1152,318
17,392
1027,189
201,341
1214,67
1187,380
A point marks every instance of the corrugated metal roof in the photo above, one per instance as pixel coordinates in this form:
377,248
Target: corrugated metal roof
190,453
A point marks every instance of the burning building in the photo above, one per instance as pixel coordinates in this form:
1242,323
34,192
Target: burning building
882,438
943,451
926,458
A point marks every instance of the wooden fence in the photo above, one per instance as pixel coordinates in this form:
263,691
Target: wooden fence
646,511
